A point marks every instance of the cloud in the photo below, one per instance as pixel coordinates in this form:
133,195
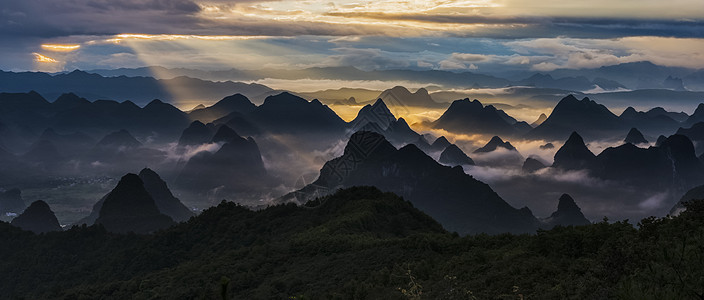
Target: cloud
593,53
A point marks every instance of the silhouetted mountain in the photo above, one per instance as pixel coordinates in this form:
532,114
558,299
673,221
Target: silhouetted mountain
399,133
696,193
225,134
471,117
574,154
237,165
635,137
495,143
453,155
531,165
290,114
697,116
654,121
659,141
196,134
235,103
567,214
163,198
455,199
671,165
400,97
539,121
695,133
591,119
673,83
11,201
130,208
160,193
377,113
440,144
119,139
138,89
37,218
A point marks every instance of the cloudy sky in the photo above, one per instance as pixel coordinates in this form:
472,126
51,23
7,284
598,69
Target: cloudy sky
479,35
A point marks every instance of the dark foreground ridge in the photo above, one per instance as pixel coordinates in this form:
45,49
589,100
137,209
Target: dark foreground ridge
357,243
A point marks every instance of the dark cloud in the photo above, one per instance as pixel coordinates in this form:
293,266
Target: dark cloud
48,18
532,27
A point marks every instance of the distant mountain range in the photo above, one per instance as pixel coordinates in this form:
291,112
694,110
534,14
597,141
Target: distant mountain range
649,76
139,89
458,201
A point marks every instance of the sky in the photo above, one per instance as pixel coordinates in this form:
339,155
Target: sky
482,36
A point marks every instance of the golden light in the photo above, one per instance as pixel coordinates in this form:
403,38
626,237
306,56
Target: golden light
173,37
43,59
60,47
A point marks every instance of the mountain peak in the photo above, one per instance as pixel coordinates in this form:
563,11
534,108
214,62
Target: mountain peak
440,143
129,207
574,154
453,155
377,113
37,218
635,137
540,120
493,144
163,198
567,214
120,138
225,134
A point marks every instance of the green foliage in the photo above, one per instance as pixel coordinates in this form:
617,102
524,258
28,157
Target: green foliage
357,244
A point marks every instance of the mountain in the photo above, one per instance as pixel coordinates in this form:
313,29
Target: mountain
471,117
399,97
574,154
237,165
377,113
140,89
440,144
695,132
196,134
235,103
635,137
119,139
495,143
672,165
696,193
539,121
72,144
163,198
11,201
531,165
591,119
457,200
225,134
673,83
655,121
37,218
567,214
130,208
697,116
454,156
286,113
